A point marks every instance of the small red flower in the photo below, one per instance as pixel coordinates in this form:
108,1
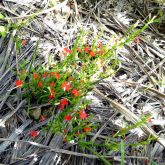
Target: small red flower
24,42
82,114
67,51
68,117
61,107
18,83
70,78
87,129
75,92
57,75
77,134
79,50
137,40
52,94
82,81
42,118
100,45
66,86
36,76
40,85
52,84
100,52
63,103
146,161
52,74
34,134
150,120
45,74
92,54
87,49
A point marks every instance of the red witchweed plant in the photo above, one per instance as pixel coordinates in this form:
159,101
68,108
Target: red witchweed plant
65,85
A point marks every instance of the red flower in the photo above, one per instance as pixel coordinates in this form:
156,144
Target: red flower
52,84
100,45
92,54
42,118
67,51
61,107
87,49
63,103
52,94
77,134
18,83
146,161
68,117
52,74
82,81
57,75
79,50
82,114
70,78
75,92
150,120
137,40
36,76
66,86
34,134
24,42
45,74
40,85
87,129
100,52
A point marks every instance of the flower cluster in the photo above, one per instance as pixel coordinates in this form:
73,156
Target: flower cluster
65,85
92,52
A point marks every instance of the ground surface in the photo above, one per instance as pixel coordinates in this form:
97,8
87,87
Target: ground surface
137,88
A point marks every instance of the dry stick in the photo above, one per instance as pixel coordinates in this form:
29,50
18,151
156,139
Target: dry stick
39,13
144,87
6,117
14,135
104,126
6,96
7,9
138,61
131,117
8,53
143,78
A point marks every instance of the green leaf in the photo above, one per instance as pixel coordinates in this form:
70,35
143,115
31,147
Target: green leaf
1,16
3,31
122,152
